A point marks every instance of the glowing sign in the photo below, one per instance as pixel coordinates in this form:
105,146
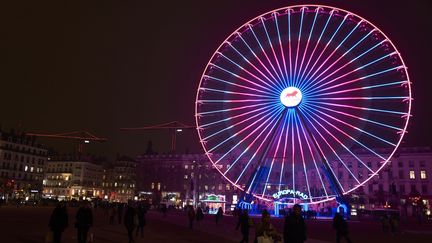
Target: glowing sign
278,194
291,97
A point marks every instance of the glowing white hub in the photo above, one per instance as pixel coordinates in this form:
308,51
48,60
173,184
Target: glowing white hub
291,97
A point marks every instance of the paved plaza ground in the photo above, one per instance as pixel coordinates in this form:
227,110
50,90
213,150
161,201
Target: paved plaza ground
29,225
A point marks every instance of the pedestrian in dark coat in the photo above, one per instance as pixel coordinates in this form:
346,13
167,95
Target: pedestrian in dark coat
244,223
141,212
199,215
84,220
295,227
219,215
341,227
130,221
191,216
120,208
58,221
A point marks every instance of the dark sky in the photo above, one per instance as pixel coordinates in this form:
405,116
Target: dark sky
101,65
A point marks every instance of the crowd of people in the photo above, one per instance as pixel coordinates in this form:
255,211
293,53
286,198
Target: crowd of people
132,215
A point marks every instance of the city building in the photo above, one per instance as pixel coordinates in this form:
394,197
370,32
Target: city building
22,163
119,180
71,177
403,184
180,179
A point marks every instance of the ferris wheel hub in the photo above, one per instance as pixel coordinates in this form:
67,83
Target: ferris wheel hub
291,97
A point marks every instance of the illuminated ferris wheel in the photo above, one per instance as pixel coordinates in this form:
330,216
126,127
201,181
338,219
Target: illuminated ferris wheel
306,100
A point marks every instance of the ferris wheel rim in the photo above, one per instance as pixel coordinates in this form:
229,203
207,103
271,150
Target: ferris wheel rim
317,7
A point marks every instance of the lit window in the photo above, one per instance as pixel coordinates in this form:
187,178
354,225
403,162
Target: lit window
115,184
411,174
158,186
26,168
186,167
423,174
227,187
185,176
206,187
268,187
220,187
152,185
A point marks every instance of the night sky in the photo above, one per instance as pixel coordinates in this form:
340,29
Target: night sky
100,65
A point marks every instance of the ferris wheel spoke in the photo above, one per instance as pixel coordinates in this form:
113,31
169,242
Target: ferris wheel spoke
360,130
236,134
263,141
402,114
344,133
361,78
311,77
281,49
356,117
316,46
212,78
287,122
307,115
265,112
235,101
363,88
290,49
293,154
313,85
313,159
274,156
307,44
268,121
316,79
326,161
267,58
364,98
204,125
251,64
298,46
305,77
236,93
302,156
282,76
200,114
274,81
244,69
242,78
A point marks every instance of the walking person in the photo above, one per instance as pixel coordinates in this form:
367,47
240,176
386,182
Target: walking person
112,213
199,215
191,216
84,220
219,215
141,212
130,221
295,227
58,221
265,231
394,224
120,208
341,227
244,223
385,222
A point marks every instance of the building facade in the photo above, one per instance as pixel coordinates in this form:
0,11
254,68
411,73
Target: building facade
403,184
22,163
72,178
119,180
182,179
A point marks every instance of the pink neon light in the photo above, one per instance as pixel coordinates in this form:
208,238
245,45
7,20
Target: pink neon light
404,127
